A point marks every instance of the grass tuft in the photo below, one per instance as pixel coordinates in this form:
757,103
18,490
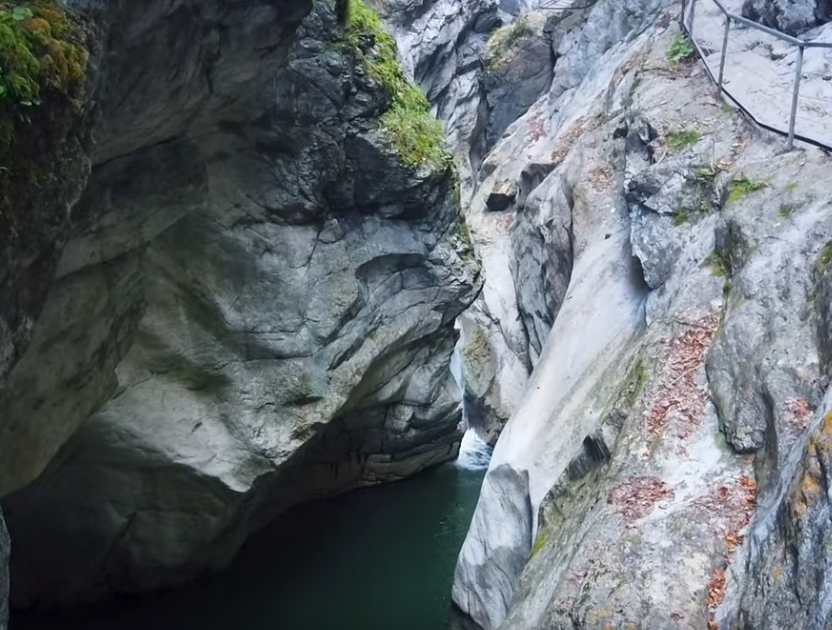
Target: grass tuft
680,217
413,134
716,264
499,46
824,261
679,139
741,186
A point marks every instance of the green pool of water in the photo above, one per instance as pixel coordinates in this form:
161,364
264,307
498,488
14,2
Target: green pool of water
376,559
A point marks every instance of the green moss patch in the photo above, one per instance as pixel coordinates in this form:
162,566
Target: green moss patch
43,66
414,135
716,264
786,210
741,186
499,46
42,53
679,139
680,217
633,384
539,542
824,261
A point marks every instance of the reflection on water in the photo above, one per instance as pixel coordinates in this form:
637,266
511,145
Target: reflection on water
377,559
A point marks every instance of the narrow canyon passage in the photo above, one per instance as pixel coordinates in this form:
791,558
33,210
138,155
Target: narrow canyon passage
374,559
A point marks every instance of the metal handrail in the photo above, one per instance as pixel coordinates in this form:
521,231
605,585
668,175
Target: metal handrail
801,44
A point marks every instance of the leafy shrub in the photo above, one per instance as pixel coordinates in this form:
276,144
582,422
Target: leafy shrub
681,49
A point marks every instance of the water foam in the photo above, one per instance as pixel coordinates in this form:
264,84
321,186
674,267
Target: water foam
474,453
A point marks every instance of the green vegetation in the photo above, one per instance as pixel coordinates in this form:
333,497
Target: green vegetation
634,384
539,542
726,108
742,186
786,210
680,217
706,174
679,139
825,258
791,186
41,53
726,289
717,265
681,49
468,253
415,135
499,45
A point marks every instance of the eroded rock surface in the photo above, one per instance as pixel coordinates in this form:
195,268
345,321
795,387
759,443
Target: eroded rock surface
256,306
670,263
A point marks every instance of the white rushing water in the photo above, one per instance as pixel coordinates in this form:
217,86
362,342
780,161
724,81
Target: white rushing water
474,453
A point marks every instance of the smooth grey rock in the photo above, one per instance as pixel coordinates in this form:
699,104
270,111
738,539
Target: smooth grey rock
480,595
542,240
789,16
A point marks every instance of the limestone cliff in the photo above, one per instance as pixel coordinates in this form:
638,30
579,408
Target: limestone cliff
252,302
666,464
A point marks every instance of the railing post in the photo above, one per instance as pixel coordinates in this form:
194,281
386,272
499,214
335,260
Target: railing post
724,52
797,75
690,22
682,16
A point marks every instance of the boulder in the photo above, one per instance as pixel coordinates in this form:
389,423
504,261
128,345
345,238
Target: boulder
502,196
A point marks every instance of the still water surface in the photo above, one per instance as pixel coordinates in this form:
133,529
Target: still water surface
376,559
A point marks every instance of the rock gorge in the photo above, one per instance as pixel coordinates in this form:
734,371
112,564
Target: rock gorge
241,292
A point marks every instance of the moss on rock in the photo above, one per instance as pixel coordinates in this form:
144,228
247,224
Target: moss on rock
43,71
415,136
503,42
42,54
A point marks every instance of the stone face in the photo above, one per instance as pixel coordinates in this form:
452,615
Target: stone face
789,16
256,306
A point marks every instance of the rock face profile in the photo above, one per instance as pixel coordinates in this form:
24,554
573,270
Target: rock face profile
251,304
